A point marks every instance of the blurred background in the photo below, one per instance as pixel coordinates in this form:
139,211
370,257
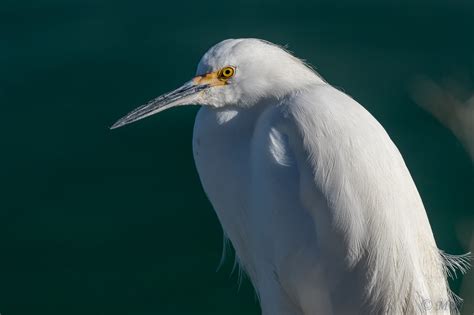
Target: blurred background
94,221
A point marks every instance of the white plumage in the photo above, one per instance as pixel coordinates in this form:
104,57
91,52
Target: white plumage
314,196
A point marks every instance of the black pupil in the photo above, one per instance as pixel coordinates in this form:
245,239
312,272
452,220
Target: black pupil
227,72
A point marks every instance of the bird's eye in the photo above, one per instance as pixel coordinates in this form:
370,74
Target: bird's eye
226,73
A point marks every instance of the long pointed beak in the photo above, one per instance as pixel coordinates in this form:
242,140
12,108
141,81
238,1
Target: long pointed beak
184,95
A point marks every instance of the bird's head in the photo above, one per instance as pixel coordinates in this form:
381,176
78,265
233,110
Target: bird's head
237,72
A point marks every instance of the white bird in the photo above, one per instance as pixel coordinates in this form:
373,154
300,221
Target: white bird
314,196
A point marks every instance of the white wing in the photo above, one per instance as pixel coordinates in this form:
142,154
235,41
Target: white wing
378,237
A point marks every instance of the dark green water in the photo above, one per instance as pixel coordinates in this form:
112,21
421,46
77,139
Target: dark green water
100,222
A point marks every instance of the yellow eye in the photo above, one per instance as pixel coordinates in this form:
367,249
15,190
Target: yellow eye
226,73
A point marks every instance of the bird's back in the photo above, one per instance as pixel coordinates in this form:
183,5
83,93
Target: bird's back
373,202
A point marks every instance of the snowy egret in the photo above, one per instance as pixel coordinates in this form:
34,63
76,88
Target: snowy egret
314,196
